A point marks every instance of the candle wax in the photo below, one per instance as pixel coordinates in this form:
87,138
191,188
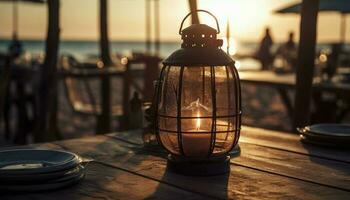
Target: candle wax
197,144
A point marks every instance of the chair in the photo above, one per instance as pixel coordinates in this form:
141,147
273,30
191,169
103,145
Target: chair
149,74
77,78
17,90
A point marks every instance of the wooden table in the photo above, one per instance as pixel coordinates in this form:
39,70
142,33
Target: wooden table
284,82
272,165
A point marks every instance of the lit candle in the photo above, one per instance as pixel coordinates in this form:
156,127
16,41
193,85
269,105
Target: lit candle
196,143
198,123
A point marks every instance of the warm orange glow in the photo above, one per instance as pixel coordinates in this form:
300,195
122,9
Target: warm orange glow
247,20
124,60
100,64
198,121
233,45
323,57
242,15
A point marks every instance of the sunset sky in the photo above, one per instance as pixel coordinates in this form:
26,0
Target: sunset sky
79,19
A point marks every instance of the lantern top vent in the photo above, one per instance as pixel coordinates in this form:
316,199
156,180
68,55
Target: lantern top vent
200,46
200,35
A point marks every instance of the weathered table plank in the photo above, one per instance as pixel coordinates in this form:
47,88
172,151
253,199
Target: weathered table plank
104,182
298,166
295,165
240,178
267,138
268,168
290,142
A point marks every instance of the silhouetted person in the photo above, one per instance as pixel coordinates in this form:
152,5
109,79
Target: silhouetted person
290,44
264,53
15,48
288,51
332,61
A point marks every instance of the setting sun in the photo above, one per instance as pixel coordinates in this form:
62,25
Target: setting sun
243,15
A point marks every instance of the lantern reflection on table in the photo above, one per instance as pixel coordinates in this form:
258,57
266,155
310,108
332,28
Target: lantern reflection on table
199,103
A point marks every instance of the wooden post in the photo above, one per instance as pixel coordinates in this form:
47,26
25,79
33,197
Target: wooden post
193,7
305,67
156,27
46,129
15,18
148,25
126,97
4,80
104,44
104,119
4,93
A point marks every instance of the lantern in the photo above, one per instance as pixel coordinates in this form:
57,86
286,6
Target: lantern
198,108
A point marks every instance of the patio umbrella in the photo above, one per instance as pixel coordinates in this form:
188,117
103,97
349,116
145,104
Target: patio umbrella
306,63
341,6
228,35
149,25
193,7
15,11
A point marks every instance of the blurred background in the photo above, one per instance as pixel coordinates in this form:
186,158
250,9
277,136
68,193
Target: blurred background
148,29
79,24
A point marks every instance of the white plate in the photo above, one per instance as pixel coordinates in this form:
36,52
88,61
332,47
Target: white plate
36,161
331,130
57,184
316,141
39,178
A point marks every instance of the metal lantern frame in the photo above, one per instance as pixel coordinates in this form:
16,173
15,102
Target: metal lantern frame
200,49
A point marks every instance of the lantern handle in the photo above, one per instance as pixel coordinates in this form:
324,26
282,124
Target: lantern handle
216,20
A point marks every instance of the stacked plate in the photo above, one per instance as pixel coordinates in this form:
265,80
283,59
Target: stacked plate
37,170
334,135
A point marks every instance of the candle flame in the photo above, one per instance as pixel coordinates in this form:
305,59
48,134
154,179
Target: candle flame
198,122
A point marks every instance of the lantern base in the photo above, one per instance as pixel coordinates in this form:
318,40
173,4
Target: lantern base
209,167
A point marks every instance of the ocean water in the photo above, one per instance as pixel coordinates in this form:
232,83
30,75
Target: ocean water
85,49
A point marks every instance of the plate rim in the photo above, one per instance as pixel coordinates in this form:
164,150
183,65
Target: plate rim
309,129
74,161
45,187
32,178
304,138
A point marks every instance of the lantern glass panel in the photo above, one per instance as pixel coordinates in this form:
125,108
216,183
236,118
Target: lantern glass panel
167,108
205,123
196,111
227,108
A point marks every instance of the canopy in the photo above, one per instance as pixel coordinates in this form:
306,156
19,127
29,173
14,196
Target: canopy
341,6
